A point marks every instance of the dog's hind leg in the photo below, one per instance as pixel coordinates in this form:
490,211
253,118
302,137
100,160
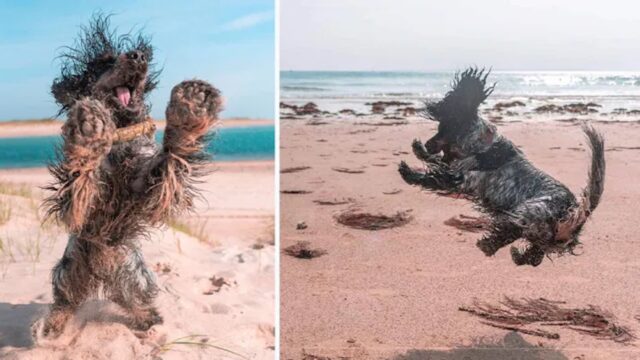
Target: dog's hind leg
72,284
503,233
533,255
134,288
87,136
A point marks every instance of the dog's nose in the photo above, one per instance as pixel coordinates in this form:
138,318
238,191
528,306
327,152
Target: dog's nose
137,56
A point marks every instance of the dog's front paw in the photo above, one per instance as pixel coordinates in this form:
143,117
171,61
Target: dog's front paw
419,150
408,175
194,105
88,132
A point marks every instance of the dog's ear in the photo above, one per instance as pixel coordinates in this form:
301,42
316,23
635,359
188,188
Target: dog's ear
65,91
460,104
470,88
432,110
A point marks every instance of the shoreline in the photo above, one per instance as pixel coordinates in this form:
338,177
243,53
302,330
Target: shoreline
49,127
512,110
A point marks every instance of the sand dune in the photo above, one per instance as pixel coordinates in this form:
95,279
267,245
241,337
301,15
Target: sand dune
395,293
215,269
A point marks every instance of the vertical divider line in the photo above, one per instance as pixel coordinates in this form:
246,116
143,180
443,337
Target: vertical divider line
276,170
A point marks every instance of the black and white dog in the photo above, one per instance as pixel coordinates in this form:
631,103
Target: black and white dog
520,200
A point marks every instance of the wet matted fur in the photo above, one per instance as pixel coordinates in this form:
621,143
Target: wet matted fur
108,194
521,200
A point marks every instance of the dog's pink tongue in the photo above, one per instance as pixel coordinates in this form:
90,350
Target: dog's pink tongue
124,95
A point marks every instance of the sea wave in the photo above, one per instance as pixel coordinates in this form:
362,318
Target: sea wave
302,88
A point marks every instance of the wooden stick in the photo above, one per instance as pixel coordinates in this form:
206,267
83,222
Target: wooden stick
133,131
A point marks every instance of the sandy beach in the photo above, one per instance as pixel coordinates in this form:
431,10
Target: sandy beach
215,269
395,293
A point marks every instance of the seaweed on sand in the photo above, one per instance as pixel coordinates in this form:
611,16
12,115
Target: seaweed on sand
521,315
366,221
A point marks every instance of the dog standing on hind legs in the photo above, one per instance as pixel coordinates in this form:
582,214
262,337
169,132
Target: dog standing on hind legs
520,200
109,193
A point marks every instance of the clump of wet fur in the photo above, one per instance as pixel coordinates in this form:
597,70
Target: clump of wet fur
521,200
108,194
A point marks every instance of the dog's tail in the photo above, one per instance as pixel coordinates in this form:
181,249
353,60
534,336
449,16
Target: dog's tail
595,185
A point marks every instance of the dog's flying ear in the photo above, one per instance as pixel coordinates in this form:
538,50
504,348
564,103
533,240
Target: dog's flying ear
470,88
66,90
432,110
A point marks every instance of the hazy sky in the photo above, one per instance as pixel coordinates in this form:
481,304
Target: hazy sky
227,42
450,34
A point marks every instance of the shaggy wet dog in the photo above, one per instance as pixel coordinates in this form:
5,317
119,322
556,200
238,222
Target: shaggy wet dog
520,200
107,192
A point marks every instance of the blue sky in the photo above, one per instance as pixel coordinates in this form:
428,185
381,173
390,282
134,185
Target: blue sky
452,34
229,43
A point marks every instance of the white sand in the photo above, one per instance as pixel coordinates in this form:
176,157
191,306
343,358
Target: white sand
239,318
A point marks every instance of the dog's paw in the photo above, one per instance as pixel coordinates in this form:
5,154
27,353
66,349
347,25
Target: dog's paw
89,129
194,104
531,256
419,150
408,175
487,246
144,321
54,323
517,256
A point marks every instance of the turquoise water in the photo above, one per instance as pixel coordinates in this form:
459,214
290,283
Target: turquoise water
232,144
335,90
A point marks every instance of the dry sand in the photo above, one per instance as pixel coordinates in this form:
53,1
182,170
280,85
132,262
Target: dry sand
231,237
395,293
45,127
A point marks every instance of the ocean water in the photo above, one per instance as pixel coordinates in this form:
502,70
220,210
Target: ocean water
336,90
229,144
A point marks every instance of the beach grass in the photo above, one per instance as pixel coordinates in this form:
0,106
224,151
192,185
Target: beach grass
19,201
22,190
197,341
5,211
197,230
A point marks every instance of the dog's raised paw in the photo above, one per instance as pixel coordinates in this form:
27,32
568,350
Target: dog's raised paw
90,126
193,101
408,175
419,150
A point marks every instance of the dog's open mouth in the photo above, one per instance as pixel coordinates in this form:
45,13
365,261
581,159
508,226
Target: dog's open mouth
123,93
